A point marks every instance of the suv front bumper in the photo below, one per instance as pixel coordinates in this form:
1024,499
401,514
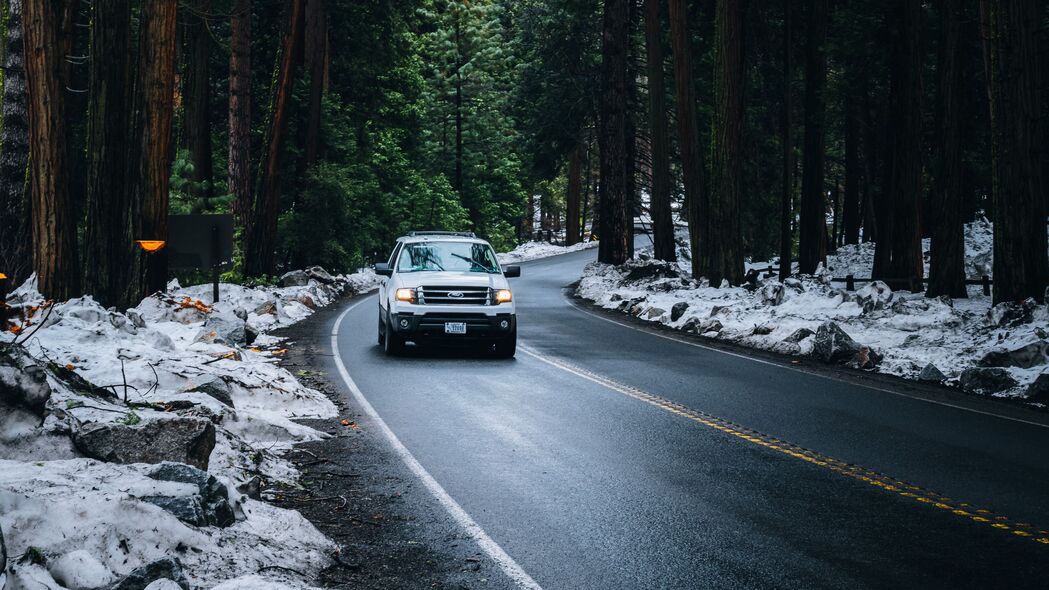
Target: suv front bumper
430,326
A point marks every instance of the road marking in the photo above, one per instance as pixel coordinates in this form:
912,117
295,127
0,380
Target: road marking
461,517
980,516
680,340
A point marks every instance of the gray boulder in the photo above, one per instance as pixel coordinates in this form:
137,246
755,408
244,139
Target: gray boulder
654,312
772,293
320,275
23,381
651,270
183,440
216,387
874,295
678,310
794,284
1026,356
226,326
1038,390
208,507
986,381
295,278
266,308
762,330
708,326
139,578
798,335
930,374
136,318
1010,313
833,345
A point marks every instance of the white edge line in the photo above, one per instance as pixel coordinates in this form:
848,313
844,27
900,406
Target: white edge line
790,368
464,520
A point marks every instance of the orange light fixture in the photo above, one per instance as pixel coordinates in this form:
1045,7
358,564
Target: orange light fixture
504,296
151,246
3,277
406,295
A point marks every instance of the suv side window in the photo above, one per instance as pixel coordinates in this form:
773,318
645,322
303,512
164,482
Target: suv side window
394,254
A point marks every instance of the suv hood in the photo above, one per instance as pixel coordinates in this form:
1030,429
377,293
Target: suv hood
452,279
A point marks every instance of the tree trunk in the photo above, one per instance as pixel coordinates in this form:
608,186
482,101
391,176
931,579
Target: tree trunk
197,95
947,248
155,98
263,232
239,165
662,216
54,224
109,243
16,237
688,131
724,256
613,248
315,50
905,267
786,234
575,187
812,235
1021,267
851,208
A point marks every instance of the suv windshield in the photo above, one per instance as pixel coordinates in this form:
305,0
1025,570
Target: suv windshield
450,256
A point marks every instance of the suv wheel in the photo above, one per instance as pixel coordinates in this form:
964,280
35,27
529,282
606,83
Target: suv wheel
506,348
392,343
382,332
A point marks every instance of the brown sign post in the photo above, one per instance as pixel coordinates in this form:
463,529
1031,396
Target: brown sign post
201,242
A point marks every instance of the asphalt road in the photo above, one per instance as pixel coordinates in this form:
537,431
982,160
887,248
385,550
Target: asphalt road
608,456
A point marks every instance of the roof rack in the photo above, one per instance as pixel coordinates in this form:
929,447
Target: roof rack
461,234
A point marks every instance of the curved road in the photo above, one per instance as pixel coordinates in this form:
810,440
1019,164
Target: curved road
610,456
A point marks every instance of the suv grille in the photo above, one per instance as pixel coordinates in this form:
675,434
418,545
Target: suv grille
454,295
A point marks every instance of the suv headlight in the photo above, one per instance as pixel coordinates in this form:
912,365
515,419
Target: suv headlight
405,295
503,296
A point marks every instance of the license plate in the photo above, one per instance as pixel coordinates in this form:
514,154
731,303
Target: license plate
455,327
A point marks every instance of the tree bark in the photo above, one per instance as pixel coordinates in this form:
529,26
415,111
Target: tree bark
109,243
786,233
662,216
812,235
155,90
688,131
54,223
1021,266
724,255
904,268
263,232
16,236
575,188
197,95
851,208
613,248
947,247
315,50
239,160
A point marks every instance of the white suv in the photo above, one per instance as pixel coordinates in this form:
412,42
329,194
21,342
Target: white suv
447,288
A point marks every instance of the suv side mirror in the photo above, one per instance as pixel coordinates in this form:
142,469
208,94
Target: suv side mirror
383,269
511,272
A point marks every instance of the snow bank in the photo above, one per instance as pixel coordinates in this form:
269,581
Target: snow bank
1002,351
534,250
172,357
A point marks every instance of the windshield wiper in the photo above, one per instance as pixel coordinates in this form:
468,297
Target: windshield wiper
473,262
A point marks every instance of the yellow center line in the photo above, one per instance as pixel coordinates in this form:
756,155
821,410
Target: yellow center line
980,516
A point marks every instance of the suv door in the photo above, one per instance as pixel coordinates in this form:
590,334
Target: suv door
382,285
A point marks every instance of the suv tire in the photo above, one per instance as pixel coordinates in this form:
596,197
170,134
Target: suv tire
506,347
392,343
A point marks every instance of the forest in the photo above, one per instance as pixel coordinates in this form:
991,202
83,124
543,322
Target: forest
773,130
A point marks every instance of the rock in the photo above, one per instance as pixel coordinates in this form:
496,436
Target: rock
295,278
216,387
678,310
717,309
651,270
1009,314
183,440
161,341
794,284
79,570
188,315
267,308
1038,390
227,326
251,488
865,358
930,374
762,330
141,578
724,284
23,381
798,335
163,584
307,301
690,324
121,322
136,318
320,275
709,326
654,312
986,381
833,345
772,293
213,497
1026,356
250,334
615,297
874,295
644,255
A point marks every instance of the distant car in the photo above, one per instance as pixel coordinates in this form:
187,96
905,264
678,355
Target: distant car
446,288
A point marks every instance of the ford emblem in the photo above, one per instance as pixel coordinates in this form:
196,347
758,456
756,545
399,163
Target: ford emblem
456,294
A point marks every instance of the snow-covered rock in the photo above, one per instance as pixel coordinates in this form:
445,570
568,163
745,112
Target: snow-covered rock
79,570
23,380
183,440
986,381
